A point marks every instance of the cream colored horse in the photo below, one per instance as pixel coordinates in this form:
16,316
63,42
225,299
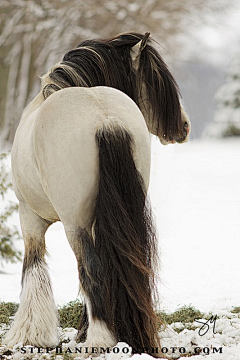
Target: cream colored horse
82,157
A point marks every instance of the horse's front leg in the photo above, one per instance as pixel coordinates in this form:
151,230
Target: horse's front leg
36,320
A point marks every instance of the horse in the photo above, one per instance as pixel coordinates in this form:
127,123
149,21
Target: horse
81,155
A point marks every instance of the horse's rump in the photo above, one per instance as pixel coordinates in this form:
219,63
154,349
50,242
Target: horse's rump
65,147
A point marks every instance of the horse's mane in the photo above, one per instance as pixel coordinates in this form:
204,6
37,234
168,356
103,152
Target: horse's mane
109,63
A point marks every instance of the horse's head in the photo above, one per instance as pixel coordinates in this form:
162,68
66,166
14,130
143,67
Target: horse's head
158,94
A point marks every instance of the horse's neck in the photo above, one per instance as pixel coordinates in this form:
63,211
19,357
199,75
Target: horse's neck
34,105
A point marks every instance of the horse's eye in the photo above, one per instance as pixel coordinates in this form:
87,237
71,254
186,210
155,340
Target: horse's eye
185,125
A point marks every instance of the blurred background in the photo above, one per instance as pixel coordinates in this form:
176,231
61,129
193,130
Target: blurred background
195,187
198,39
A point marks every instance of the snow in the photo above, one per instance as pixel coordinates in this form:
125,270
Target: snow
221,344
195,195
196,192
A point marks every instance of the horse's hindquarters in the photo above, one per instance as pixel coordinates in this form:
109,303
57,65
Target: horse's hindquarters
57,176
68,153
66,150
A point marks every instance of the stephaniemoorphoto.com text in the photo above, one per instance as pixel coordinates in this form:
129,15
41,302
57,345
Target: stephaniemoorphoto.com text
117,350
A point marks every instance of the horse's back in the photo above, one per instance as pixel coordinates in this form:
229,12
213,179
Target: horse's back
66,150
88,108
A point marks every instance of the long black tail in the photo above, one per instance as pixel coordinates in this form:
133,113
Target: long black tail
124,243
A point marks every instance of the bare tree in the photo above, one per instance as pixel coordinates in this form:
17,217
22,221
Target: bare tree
35,34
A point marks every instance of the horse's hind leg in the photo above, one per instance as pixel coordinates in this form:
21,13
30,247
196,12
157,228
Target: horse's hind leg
36,320
93,327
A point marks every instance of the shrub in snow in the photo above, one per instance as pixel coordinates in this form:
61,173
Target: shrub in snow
227,118
8,232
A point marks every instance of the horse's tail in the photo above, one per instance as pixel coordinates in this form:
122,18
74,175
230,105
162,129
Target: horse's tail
125,242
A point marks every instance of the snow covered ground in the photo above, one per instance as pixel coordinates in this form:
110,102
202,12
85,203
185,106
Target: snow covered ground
219,343
195,190
195,194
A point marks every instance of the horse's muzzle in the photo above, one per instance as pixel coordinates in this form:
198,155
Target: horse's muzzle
186,132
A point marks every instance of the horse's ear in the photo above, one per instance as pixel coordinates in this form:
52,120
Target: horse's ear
137,49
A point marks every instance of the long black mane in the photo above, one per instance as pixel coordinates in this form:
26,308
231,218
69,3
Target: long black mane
109,63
